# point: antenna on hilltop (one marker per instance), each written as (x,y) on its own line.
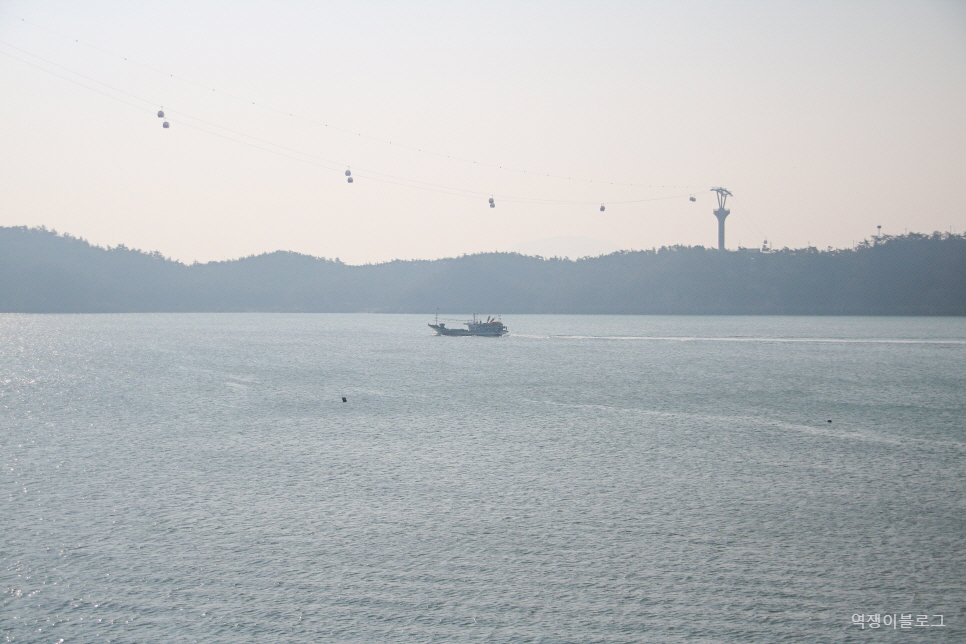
(721,213)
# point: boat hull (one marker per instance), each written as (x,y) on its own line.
(494,332)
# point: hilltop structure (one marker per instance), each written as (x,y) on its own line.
(721,213)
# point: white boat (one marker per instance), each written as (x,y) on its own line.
(493,327)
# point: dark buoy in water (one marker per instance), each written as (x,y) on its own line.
(344,400)
(165,125)
(829,420)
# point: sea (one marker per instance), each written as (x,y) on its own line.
(587,479)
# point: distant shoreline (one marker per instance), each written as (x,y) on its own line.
(915,274)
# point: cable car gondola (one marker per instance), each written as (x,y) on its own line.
(492,203)
(602,207)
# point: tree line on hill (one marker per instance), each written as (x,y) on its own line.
(42,271)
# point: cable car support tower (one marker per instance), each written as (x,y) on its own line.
(721,213)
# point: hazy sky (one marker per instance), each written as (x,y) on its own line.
(825,119)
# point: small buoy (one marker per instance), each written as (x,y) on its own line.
(160,114)
(349,179)
(165,125)
(602,207)
(344,400)
(348,173)
(829,420)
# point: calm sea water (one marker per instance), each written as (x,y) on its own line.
(196,478)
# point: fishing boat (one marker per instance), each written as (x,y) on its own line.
(492,327)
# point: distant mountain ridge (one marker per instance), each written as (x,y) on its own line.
(42,271)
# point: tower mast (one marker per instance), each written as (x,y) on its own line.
(721,213)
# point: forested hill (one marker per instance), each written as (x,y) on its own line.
(913,274)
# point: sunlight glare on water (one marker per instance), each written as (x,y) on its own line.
(197,477)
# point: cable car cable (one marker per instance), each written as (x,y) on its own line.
(325,163)
(76,82)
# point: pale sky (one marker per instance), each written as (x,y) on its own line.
(824,119)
